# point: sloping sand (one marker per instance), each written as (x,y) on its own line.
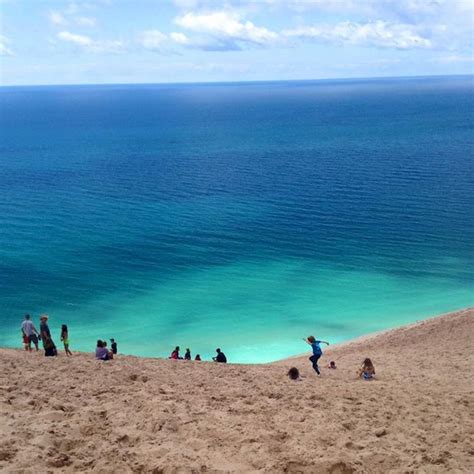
(161,416)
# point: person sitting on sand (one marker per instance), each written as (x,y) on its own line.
(101,351)
(175,354)
(294,374)
(332,365)
(220,357)
(367,371)
(65,339)
(28,329)
(198,357)
(187,354)
(317,351)
(48,344)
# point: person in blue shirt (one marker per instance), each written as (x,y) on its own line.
(317,351)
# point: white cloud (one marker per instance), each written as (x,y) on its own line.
(90,45)
(379,34)
(179,38)
(153,40)
(86,21)
(226,27)
(4,49)
(80,40)
(56,18)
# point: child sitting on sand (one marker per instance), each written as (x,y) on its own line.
(101,351)
(175,354)
(187,354)
(294,374)
(367,371)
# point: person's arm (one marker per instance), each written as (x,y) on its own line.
(324,342)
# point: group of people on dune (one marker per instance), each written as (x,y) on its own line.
(366,371)
(220,356)
(31,336)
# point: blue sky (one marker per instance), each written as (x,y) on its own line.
(152,41)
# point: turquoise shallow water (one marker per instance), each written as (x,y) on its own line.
(244,216)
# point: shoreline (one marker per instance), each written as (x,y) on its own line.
(356,340)
(383,332)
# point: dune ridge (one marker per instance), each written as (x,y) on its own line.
(162,416)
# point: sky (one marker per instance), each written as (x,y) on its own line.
(160,41)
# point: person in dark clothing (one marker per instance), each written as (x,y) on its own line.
(113,346)
(48,344)
(220,357)
(187,354)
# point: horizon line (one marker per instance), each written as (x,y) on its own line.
(256,81)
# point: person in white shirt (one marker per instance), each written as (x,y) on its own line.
(28,329)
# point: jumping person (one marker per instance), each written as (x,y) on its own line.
(317,351)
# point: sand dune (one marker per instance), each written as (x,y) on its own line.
(162,416)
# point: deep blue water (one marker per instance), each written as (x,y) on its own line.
(239,215)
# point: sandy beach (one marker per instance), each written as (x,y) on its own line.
(151,415)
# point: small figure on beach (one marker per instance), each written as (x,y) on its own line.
(65,339)
(317,351)
(367,371)
(48,344)
(332,365)
(187,354)
(198,357)
(220,357)
(175,354)
(26,344)
(28,329)
(113,346)
(101,351)
(294,374)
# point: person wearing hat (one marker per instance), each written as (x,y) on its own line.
(48,344)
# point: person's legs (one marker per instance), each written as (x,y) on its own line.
(314,360)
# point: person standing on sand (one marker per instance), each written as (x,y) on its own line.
(29,331)
(65,339)
(48,344)
(113,346)
(317,351)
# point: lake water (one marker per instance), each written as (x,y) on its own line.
(245,215)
